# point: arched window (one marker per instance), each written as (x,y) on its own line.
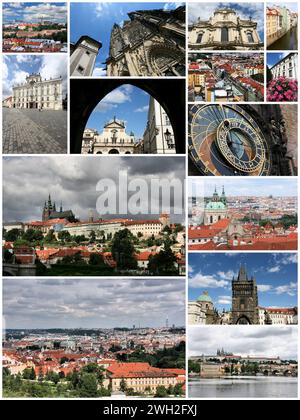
(250,37)
(224,35)
(199,38)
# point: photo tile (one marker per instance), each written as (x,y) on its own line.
(243,288)
(128,39)
(140,276)
(101,346)
(129,117)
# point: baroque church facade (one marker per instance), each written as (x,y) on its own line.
(224,30)
(216,208)
(151,43)
(37,93)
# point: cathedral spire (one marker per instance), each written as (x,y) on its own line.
(242,276)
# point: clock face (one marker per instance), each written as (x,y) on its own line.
(225,140)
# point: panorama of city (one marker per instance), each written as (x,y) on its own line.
(150,201)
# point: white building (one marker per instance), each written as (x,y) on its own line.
(83,56)
(286,67)
(36,93)
(113,139)
(158,136)
(278,316)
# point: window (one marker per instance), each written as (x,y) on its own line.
(80,69)
(199,38)
(87,53)
(250,37)
(224,35)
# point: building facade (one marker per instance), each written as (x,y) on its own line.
(151,43)
(278,316)
(244,299)
(225,30)
(201,311)
(83,56)
(36,93)
(113,139)
(287,67)
(216,208)
(158,136)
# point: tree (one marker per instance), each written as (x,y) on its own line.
(12,235)
(123,250)
(92,236)
(178,389)
(164,262)
(29,373)
(161,392)
(96,259)
(32,235)
(50,237)
(64,235)
(88,387)
(123,385)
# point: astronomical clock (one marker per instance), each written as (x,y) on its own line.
(226,140)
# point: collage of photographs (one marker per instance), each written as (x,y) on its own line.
(149,200)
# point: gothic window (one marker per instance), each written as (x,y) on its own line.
(211,219)
(224,35)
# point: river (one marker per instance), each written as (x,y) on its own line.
(289,41)
(244,387)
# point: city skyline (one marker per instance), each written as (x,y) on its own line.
(16,68)
(75,184)
(86,303)
(275,274)
(280,187)
(34,12)
(251,341)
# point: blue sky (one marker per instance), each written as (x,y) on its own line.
(293,7)
(275,273)
(127,103)
(273,58)
(15,69)
(205,10)
(33,12)
(279,187)
(97,19)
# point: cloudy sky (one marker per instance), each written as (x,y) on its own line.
(33,12)
(252,341)
(273,58)
(275,273)
(264,186)
(90,303)
(27,181)
(97,19)
(128,103)
(15,69)
(205,10)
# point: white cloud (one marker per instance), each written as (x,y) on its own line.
(290,289)
(224,300)
(200,280)
(99,72)
(274,269)
(228,275)
(142,109)
(264,287)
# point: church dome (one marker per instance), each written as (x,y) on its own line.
(216,205)
(205,298)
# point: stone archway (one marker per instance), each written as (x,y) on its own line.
(243,320)
(113,152)
(86,94)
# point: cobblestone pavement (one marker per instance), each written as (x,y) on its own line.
(33,131)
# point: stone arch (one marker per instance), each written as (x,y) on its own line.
(86,94)
(113,152)
(243,320)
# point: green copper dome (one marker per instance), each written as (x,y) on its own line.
(204,298)
(215,205)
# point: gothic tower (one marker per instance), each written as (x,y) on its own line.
(244,299)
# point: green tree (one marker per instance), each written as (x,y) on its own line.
(96,259)
(12,235)
(163,263)
(123,250)
(161,392)
(50,237)
(88,386)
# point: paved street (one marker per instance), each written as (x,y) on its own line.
(32,131)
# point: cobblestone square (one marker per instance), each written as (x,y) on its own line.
(34,132)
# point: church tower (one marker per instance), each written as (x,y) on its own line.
(83,56)
(244,299)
